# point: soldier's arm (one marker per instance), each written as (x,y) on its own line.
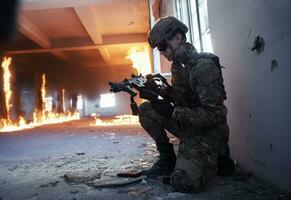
(205,78)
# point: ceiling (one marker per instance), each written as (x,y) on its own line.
(75,33)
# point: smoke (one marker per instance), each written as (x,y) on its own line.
(88,82)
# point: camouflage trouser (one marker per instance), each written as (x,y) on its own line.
(198,152)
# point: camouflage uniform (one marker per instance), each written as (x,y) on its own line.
(200,123)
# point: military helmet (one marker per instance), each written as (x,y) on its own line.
(164,29)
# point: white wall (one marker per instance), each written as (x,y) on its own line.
(258,99)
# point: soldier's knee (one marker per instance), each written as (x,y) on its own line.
(144,108)
(181,181)
(145,118)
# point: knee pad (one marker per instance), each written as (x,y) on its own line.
(181,181)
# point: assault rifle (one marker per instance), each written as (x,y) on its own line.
(152,87)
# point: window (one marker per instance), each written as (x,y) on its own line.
(107,100)
(79,102)
(48,104)
(194,14)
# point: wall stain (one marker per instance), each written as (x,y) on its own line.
(274,65)
(249,33)
(259,44)
(271,147)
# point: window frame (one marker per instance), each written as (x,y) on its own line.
(179,4)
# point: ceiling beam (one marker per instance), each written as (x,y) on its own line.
(32,32)
(27,5)
(76,48)
(105,54)
(86,16)
(90,24)
(37,36)
(109,40)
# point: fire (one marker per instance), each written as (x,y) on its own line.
(63,100)
(119,120)
(43,92)
(6,84)
(48,116)
(42,118)
(140,58)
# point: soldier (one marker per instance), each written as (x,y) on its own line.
(199,115)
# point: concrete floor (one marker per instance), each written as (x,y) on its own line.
(33,164)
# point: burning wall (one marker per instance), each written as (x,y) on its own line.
(42,115)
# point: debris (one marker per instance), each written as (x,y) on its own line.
(274,65)
(115,182)
(143,182)
(82,177)
(64,163)
(142,145)
(139,191)
(129,174)
(44,185)
(80,153)
(55,183)
(13,168)
(74,191)
(174,195)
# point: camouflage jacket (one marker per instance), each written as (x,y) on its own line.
(198,88)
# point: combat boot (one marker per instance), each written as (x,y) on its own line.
(165,165)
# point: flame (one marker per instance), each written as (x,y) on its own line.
(48,116)
(119,120)
(63,100)
(39,118)
(43,92)
(140,58)
(6,84)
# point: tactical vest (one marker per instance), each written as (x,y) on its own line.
(184,95)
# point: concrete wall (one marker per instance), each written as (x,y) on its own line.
(258,98)
(122,106)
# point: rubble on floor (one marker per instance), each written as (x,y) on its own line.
(71,161)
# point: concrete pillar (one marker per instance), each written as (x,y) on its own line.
(60,100)
(16,100)
(74,99)
(38,104)
(84,106)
